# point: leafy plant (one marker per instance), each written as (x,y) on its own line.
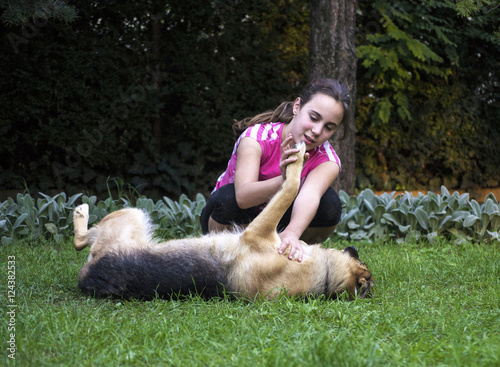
(365,217)
(52,217)
(25,217)
(406,217)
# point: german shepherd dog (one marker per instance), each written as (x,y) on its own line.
(126,262)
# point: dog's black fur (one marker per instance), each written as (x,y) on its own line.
(143,275)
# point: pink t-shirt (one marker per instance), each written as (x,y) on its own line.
(269,137)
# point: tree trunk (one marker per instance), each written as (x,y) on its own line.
(155,45)
(332,54)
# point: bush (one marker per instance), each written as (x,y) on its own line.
(52,217)
(406,218)
(365,217)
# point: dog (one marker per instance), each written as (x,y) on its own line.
(126,262)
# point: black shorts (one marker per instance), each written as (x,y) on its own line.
(222,207)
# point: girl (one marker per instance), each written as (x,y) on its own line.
(256,169)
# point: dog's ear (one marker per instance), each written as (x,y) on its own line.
(352,251)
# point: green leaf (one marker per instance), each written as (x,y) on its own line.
(344,198)
(445,192)
(71,201)
(379,212)
(475,207)
(150,206)
(447,222)
(378,232)
(422,217)
(19,220)
(6,240)
(352,213)
(12,209)
(383,110)
(44,207)
(392,204)
(369,206)
(433,223)
(359,235)
(352,203)
(453,204)
(495,222)
(491,197)
(470,220)
(28,203)
(390,218)
(89,200)
(404,229)
(368,225)
(490,207)
(52,228)
(352,224)
(412,220)
(495,235)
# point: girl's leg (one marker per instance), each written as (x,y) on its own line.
(215,227)
(326,219)
(324,222)
(222,212)
(314,235)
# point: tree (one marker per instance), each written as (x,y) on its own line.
(15,12)
(426,86)
(332,54)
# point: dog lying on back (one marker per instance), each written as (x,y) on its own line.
(126,262)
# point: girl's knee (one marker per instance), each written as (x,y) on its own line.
(329,210)
(222,209)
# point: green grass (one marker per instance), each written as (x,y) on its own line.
(435,305)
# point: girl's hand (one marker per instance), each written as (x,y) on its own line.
(286,151)
(289,239)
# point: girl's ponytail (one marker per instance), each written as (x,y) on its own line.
(284,113)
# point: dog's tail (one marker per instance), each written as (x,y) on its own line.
(265,224)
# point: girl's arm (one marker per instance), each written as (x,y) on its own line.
(306,205)
(249,190)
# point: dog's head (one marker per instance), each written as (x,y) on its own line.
(361,283)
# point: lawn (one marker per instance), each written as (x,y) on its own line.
(435,305)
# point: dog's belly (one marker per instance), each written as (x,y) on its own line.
(269,274)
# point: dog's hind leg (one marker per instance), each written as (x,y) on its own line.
(80,223)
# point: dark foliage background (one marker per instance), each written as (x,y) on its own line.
(145,91)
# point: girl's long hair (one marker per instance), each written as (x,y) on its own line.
(284,112)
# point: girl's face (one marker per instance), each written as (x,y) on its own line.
(316,121)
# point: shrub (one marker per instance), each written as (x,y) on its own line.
(53,216)
(365,217)
(405,217)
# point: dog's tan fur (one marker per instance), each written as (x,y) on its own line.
(249,259)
